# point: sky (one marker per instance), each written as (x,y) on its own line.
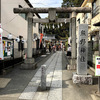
(46,3)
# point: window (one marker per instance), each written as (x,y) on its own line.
(95,8)
(22,14)
(94,5)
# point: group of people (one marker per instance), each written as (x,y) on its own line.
(59,47)
(56,47)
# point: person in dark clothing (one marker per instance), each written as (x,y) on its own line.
(49,48)
(69,50)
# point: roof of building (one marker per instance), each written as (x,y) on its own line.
(30,5)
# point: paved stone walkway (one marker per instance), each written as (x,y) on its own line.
(54,81)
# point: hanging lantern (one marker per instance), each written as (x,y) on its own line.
(53,26)
(61,24)
(17,39)
(9,36)
(65,21)
(23,41)
(58,25)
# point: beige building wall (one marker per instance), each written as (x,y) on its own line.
(82,17)
(14,23)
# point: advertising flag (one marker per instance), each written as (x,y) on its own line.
(41,36)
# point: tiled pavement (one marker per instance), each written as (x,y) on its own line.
(53,81)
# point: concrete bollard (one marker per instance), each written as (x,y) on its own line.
(43,77)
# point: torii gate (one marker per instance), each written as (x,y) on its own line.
(29,62)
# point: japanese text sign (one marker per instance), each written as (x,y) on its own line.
(82,49)
(97,66)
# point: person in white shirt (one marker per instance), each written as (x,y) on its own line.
(69,50)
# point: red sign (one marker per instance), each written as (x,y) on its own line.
(41,36)
(98,66)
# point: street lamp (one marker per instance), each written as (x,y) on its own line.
(53,26)
(61,24)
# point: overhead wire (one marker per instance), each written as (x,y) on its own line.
(16,16)
(9,22)
(13,17)
(11,33)
(8,32)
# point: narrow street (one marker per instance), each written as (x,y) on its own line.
(27,86)
(50,50)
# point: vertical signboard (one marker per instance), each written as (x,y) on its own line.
(82,49)
(1,48)
(97,66)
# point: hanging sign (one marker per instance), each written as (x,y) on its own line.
(97,66)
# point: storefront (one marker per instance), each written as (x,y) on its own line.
(8,54)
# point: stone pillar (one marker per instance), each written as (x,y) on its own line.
(82,51)
(73,20)
(29,35)
(73,38)
(72,61)
(43,77)
(29,62)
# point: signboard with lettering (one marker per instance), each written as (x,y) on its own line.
(82,49)
(97,66)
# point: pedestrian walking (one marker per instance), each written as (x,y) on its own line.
(49,48)
(69,50)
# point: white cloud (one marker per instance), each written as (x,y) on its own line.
(49,3)
(46,3)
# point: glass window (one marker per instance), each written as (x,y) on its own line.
(23,15)
(94,8)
